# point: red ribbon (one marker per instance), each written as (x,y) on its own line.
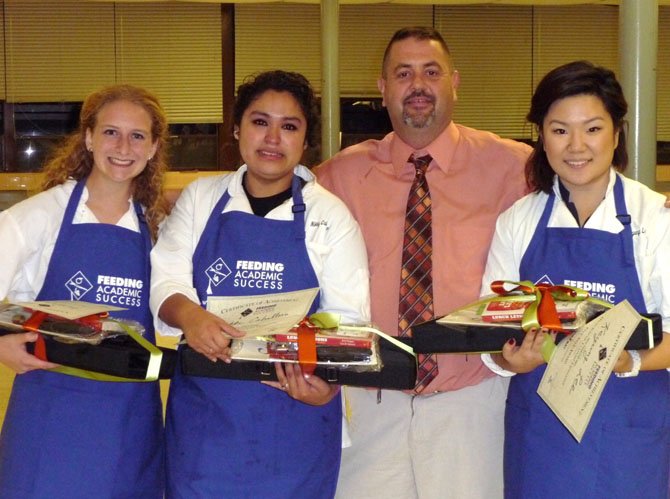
(544,314)
(33,324)
(307,345)
(93,321)
(37,318)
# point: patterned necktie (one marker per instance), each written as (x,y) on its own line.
(416,284)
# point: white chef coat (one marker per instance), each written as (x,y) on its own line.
(28,231)
(650,224)
(334,244)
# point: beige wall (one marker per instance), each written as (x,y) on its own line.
(6,378)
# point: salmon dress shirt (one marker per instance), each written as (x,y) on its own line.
(474,176)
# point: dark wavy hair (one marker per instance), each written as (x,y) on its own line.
(279,81)
(574,78)
(74,161)
(418,33)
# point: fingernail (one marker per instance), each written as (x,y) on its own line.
(307,376)
(511,341)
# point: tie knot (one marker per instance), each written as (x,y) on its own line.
(420,163)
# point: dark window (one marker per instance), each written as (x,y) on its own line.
(363,119)
(663,153)
(193,146)
(39,128)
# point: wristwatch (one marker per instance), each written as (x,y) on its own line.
(635,370)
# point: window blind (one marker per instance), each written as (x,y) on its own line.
(492,50)
(174,51)
(365,30)
(57,51)
(278,36)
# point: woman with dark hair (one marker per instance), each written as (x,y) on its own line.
(229,438)
(65,436)
(586,222)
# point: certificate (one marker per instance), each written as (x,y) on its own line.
(262,315)
(74,321)
(68,309)
(581,365)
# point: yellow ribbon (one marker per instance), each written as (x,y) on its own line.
(153,368)
(327,320)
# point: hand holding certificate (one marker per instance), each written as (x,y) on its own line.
(273,325)
(263,314)
(581,365)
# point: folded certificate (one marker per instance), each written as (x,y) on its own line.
(272,325)
(74,322)
(580,367)
(259,315)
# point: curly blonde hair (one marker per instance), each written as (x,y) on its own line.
(73,161)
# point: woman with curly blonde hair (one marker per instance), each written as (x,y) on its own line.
(86,237)
(74,161)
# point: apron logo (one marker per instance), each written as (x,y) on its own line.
(78,286)
(601,290)
(119,291)
(255,274)
(545,279)
(216,273)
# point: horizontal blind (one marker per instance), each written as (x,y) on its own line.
(278,36)
(492,49)
(569,33)
(576,32)
(174,51)
(663,82)
(365,30)
(57,51)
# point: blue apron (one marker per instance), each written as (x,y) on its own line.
(625,451)
(68,437)
(235,439)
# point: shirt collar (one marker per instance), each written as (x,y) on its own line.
(559,188)
(442,150)
(561,192)
(235,187)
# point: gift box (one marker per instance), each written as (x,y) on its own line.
(398,369)
(86,342)
(120,356)
(433,337)
(486,325)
